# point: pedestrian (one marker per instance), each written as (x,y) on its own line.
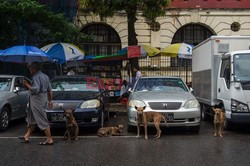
(40,98)
(71,72)
(138,73)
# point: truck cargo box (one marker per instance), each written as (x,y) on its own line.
(205,64)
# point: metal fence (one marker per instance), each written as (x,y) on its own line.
(164,66)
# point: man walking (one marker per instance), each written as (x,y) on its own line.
(40,98)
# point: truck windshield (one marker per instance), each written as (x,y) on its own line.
(242,67)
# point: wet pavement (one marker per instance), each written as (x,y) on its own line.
(177,146)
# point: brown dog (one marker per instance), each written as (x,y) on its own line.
(72,129)
(146,117)
(219,119)
(107,131)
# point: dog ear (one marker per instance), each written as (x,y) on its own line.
(144,107)
(136,107)
(213,109)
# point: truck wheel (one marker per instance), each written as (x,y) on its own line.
(227,125)
(194,129)
(204,115)
(131,129)
(4,119)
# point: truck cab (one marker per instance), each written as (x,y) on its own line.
(233,86)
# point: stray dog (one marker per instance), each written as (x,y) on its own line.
(219,119)
(146,117)
(113,131)
(72,128)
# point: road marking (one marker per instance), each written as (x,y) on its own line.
(61,137)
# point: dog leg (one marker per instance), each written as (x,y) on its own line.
(76,133)
(68,136)
(65,135)
(157,126)
(215,129)
(138,130)
(146,130)
(220,130)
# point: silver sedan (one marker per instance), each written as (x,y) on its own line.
(168,95)
(13,99)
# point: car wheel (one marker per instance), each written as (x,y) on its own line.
(4,119)
(195,129)
(131,129)
(227,125)
(204,115)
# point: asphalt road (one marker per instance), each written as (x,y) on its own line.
(177,146)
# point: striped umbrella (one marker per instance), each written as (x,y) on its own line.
(63,52)
(145,50)
(182,50)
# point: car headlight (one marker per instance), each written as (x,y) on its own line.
(192,104)
(137,103)
(237,106)
(91,104)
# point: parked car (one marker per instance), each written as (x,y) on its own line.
(13,99)
(168,95)
(90,105)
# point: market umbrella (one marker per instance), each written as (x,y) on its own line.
(182,50)
(24,54)
(145,50)
(63,52)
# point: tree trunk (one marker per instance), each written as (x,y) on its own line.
(132,40)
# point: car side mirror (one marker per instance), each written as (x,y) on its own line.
(130,90)
(191,90)
(17,89)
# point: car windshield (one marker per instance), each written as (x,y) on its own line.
(5,84)
(241,67)
(167,85)
(72,84)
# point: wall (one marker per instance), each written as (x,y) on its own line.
(219,21)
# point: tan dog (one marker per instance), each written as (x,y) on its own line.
(107,131)
(72,129)
(219,119)
(146,117)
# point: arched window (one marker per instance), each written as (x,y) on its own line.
(191,34)
(106,40)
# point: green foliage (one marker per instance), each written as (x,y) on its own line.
(151,9)
(29,22)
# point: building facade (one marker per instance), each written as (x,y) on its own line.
(189,21)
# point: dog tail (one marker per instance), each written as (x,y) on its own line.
(165,120)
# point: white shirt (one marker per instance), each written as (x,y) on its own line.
(71,72)
(138,75)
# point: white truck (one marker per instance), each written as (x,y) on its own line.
(221,77)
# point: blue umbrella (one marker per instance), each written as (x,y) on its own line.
(1,51)
(24,54)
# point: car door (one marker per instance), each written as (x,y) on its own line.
(21,97)
(224,80)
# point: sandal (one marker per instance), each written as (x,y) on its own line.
(23,138)
(46,143)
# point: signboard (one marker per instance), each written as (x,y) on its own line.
(134,51)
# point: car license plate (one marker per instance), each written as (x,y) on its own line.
(169,116)
(58,117)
